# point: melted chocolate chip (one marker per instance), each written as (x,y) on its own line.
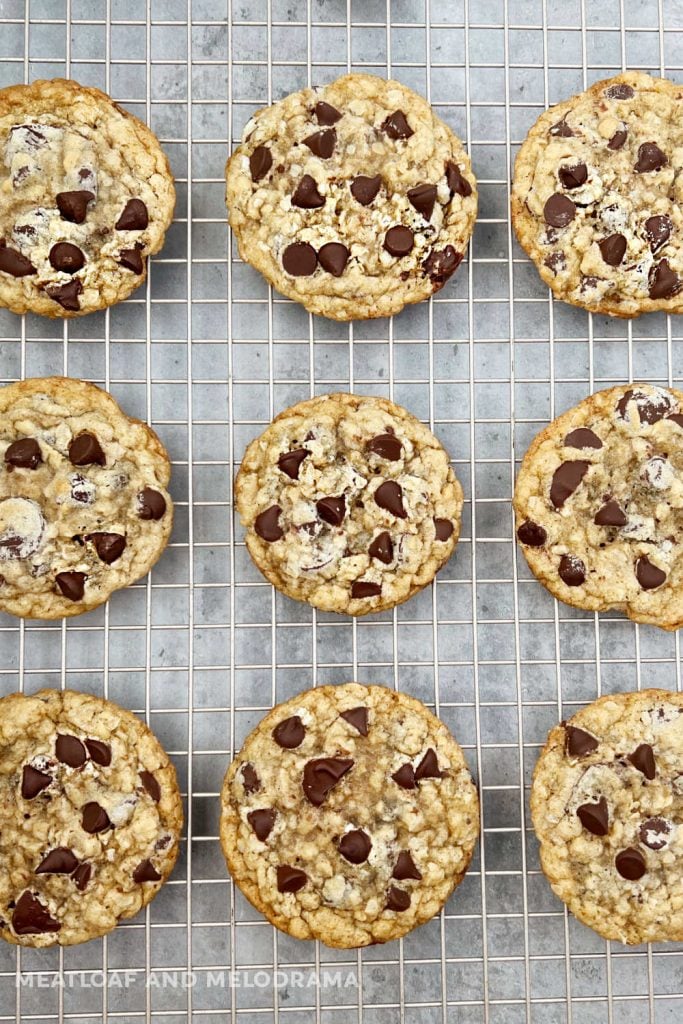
(325,113)
(260,162)
(654,833)
(648,575)
(389,496)
(620,91)
(649,410)
(60,861)
(630,864)
(262,822)
(33,782)
(151,504)
(428,768)
(582,437)
(611,514)
(267,524)
(14,263)
(663,282)
(355,846)
(658,231)
(365,189)
(290,879)
(441,264)
(146,872)
(566,479)
(85,450)
(358,718)
(531,534)
(365,588)
(443,528)
(578,742)
(561,130)
(650,158)
(643,759)
(321,775)
(595,817)
(332,510)
(81,876)
(333,257)
(405,776)
(289,733)
(573,177)
(306,195)
(24,453)
(95,819)
(322,143)
(109,546)
(134,216)
(66,258)
(397,899)
(151,786)
(559,211)
(30,917)
(396,126)
(67,295)
(422,197)
(556,262)
(382,548)
(250,779)
(406,868)
(613,249)
(73,206)
(299,259)
(398,241)
(618,139)
(69,750)
(71,584)
(572,571)
(132,259)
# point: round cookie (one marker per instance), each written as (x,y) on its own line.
(349,815)
(90,817)
(87,196)
(84,508)
(349,503)
(354,199)
(597,197)
(599,504)
(607,807)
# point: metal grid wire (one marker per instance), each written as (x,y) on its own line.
(204,646)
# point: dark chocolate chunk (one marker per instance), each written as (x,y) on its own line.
(24,453)
(611,514)
(396,126)
(290,462)
(643,758)
(299,259)
(406,868)
(322,774)
(654,833)
(650,410)
(618,139)
(443,528)
(398,240)
(559,211)
(30,917)
(456,182)
(333,257)
(262,822)
(66,294)
(267,524)
(358,718)
(440,264)
(579,742)
(332,510)
(14,263)
(73,206)
(365,588)
(423,197)
(306,195)
(397,899)
(85,450)
(582,437)
(322,143)
(389,496)
(95,818)
(355,846)
(595,817)
(81,876)
(620,91)
(66,258)
(650,158)
(574,176)
(572,571)
(658,231)
(405,776)
(151,504)
(71,584)
(260,162)
(428,768)
(146,872)
(134,216)
(33,782)
(663,281)
(289,733)
(630,864)
(364,189)
(59,861)
(69,750)
(109,546)
(566,479)
(382,548)
(531,534)
(648,575)
(152,787)
(613,249)
(387,446)
(290,879)
(250,779)
(561,129)
(132,259)
(325,113)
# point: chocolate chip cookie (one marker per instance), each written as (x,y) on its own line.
(90,817)
(597,194)
(87,196)
(599,504)
(607,806)
(349,815)
(84,508)
(349,503)
(353,199)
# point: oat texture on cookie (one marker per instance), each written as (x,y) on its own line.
(349,503)
(87,196)
(84,506)
(349,815)
(353,199)
(599,504)
(607,807)
(90,817)
(597,196)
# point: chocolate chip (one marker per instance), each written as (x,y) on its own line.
(71,584)
(620,91)
(134,216)
(250,779)
(428,767)
(109,546)
(73,206)
(617,140)
(555,262)
(594,817)
(649,410)
(358,718)
(658,231)
(289,733)
(566,479)
(33,782)
(85,450)
(60,861)
(290,879)
(322,143)
(630,864)
(405,776)
(24,453)
(14,263)
(151,504)
(151,786)
(299,259)
(423,197)
(99,752)
(406,868)
(322,774)
(333,257)
(132,259)
(267,524)
(443,528)
(67,295)
(262,821)
(611,514)
(387,446)
(95,819)
(260,162)
(365,588)
(146,872)
(663,281)
(559,211)
(332,510)
(612,249)
(325,113)
(654,833)
(398,241)
(396,126)
(562,130)
(573,177)
(81,876)
(355,846)
(306,195)
(579,742)
(648,575)
(290,462)
(572,571)
(650,158)
(365,189)
(70,750)
(397,899)
(440,264)
(643,758)
(582,437)
(531,534)
(457,184)
(382,548)
(66,258)
(389,496)
(30,917)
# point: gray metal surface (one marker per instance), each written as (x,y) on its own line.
(207,354)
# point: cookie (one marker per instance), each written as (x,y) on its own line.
(349,503)
(87,196)
(597,194)
(354,199)
(90,817)
(349,815)
(607,806)
(84,508)
(599,504)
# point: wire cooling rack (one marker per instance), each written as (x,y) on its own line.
(204,646)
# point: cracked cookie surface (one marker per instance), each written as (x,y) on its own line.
(599,504)
(354,199)
(349,815)
(349,503)
(84,508)
(607,807)
(597,196)
(87,196)
(90,817)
